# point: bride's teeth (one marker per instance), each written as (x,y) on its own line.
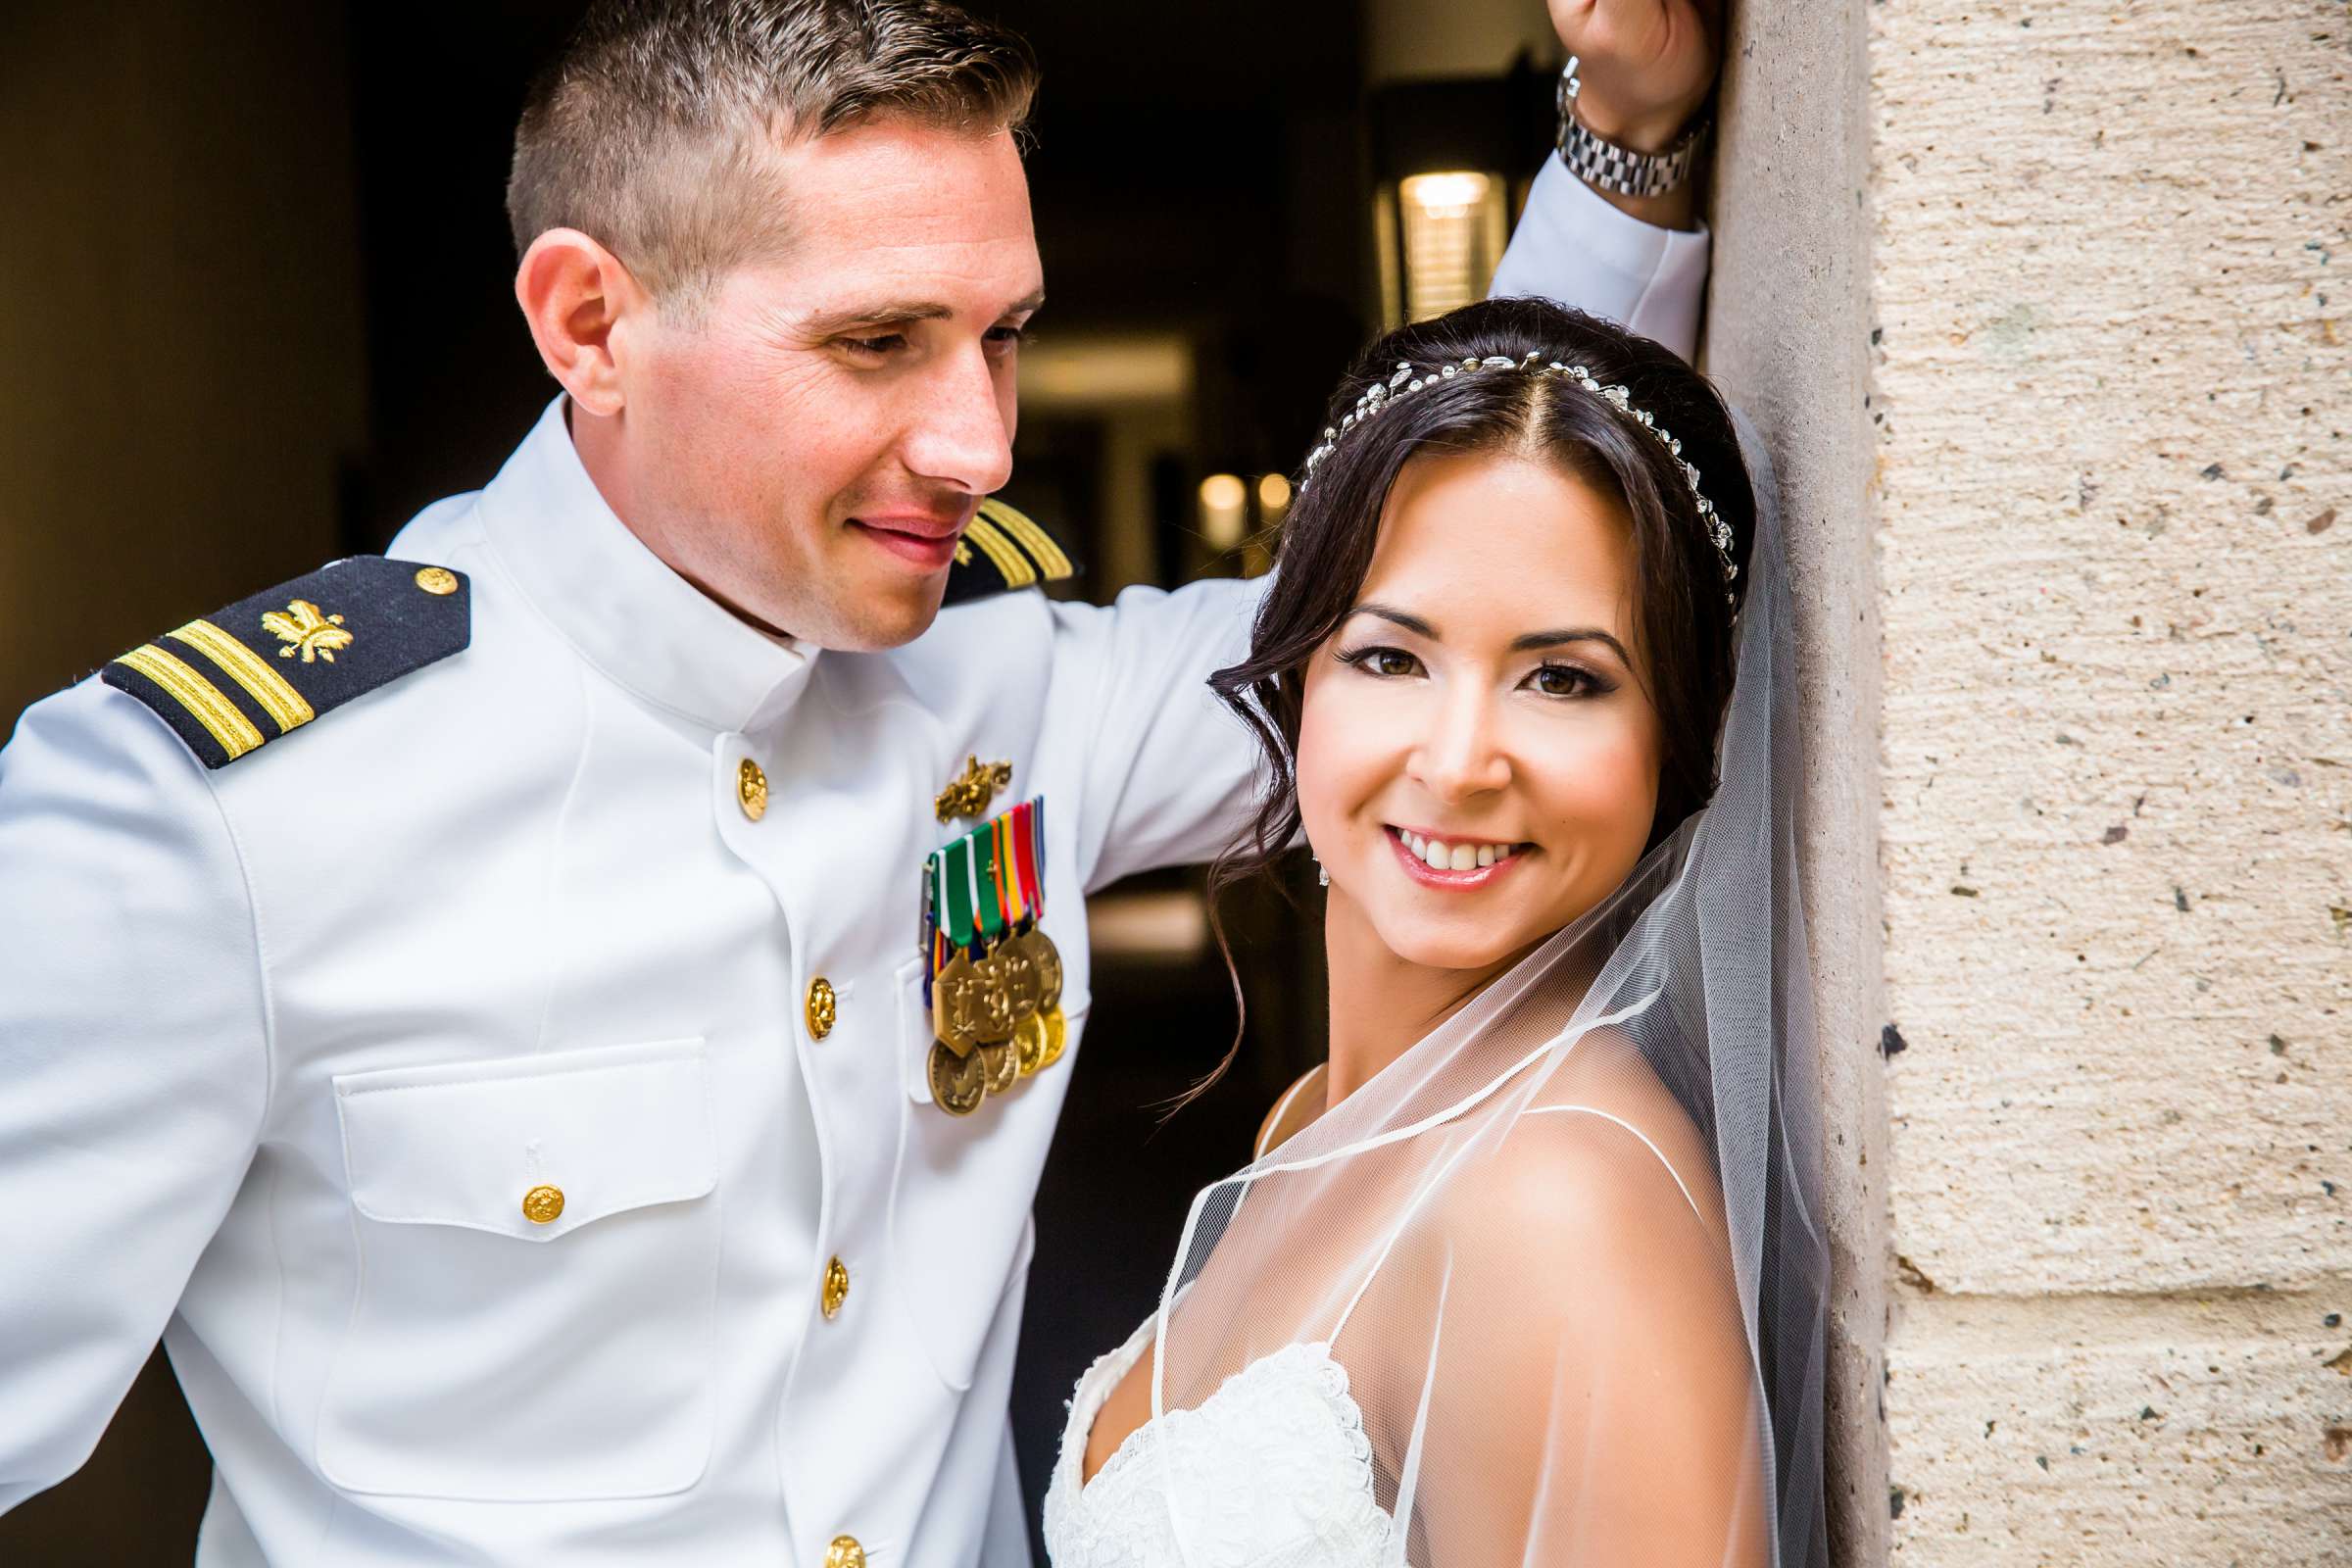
(1464,857)
(1503,852)
(1486,855)
(1435,855)
(1419,844)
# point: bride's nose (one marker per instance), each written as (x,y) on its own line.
(1460,754)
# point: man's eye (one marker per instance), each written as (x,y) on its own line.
(888,343)
(1007,336)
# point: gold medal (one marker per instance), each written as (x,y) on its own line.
(1045,958)
(1017,964)
(991,1002)
(959,1082)
(1003,1065)
(958,1009)
(1029,1043)
(1057,1035)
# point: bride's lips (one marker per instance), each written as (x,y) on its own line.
(925,541)
(1429,876)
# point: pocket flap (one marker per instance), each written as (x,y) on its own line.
(530,1146)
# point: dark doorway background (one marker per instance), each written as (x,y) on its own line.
(1198,170)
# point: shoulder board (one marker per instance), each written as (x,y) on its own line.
(1004,549)
(233,682)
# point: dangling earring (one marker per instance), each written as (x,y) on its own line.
(1322,876)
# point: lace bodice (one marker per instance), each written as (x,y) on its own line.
(1280,1444)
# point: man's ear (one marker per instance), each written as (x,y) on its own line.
(577,297)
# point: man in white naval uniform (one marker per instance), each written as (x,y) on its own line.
(507,1097)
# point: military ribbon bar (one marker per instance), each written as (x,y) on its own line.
(988,892)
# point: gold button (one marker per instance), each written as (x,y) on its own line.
(543,1205)
(845,1552)
(837,1286)
(750,788)
(822,1008)
(437,580)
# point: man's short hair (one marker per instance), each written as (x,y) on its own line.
(651,131)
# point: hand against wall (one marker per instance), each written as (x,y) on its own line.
(1647,66)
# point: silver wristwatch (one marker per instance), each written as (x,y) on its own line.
(1610,166)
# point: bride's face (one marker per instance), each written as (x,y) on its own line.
(1478,753)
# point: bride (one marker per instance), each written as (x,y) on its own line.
(1530,1270)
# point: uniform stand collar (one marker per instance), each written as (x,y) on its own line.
(629,615)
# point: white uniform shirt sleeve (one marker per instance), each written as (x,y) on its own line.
(1572,246)
(1167,767)
(132,1060)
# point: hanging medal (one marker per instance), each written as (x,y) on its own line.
(993,978)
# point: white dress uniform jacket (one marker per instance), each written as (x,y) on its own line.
(283,1047)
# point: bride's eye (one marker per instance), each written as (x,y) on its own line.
(1388,662)
(1565,680)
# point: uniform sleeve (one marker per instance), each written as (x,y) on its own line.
(1168,769)
(132,1060)
(1572,246)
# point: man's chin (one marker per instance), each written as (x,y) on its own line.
(885,616)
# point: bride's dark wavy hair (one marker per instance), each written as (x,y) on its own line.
(1683,629)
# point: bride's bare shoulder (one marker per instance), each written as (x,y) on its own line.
(1600,1153)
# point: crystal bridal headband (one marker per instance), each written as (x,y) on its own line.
(1406,380)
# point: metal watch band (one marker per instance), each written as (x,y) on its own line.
(1609,167)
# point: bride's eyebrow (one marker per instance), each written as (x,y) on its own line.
(1571,634)
(1389,612)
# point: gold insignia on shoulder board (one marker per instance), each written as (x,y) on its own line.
(969,793)
(306,631)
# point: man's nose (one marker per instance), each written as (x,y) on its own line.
(963,434)
(1461,755)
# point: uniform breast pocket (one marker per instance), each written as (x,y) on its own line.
(538,1269)
(960,1203)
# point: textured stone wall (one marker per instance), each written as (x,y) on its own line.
(2111,282)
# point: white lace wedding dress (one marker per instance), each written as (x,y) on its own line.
(1281,1445)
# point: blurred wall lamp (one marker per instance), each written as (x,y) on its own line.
(1445,191)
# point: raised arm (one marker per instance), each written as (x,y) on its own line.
(1646,69)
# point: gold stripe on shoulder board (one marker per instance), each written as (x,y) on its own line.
(1007,557)
(266,686)
(1040,544)
(200,696)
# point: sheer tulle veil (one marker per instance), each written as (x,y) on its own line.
(1565,1255)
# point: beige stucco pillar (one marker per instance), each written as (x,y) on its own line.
(2047,309)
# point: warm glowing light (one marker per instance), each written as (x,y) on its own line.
(1450,230)
(1224,500)
(1223,492)
(1273,495)
(1446,193)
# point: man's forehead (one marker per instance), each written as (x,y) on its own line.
(900,182)
(908,216)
